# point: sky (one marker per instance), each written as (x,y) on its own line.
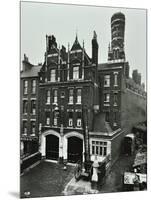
(64,21)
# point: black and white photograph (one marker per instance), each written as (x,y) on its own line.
(83,99)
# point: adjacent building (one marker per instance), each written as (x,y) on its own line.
(29,85)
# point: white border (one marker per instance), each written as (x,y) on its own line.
(9,101)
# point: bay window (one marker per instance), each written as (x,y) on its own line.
(99,148)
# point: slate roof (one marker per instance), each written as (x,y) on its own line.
(76,45)
(32,72)
(100,125)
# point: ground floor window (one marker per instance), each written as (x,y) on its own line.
(99,148)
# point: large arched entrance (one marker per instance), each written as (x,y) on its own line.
(75,149)
(52,147)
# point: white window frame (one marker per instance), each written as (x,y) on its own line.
(33,129)
(55,121)
(24,128)
(107,81)
(97,146)
(116,79)
(71,96)
(79,122)
(115,99)
(34,86)
(70,122)
(48,97)
(52,75)
(106,97)
(79,96)
(25,87)
(48,120)
(76,73)
(55,96)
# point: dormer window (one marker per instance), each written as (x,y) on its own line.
(76,73)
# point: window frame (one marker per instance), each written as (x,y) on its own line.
(25,89)
(76,72)
(99,148)
(107,80)
(33,86)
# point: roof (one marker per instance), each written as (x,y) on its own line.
(76,45)
(100,125)
(32,72)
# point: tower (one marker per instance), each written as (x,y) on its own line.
(95,47)
(116,49)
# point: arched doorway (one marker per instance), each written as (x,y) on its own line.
(52,147)
(75,149)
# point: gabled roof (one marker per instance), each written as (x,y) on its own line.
(76,45)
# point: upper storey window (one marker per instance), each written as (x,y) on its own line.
(53,75)
(115,79)
(78,96)
(75,73)
(107,81)
(55,96)
(48,97)
(34,86)
(25,87)
(71,96)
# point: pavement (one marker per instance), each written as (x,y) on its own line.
(50,179)
(114,180)
(45,180)
(79,187)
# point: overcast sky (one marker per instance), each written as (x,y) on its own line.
(39,19)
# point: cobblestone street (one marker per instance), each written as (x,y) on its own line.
(46,179)
(49,179)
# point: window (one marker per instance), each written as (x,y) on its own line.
(115,119)
(107,116)
(25,127)
(106,97)
(55,121)
(33,125)
(25,87)
(70,119)
(53,75)
(62,94)
(115,99)
(33,86)
(25,107)
(71,96)
(106,80)
(33,107)
(79,96)
(55,96)
(47,118)
(115,79)
(99,148)
(48,97)
(79,117)
(75,73)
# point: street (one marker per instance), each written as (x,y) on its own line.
(49,179)
(114,180)
(46,179)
